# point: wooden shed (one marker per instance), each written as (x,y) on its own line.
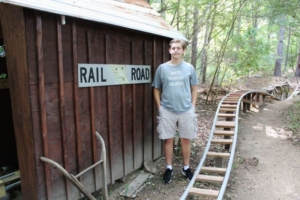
(44,112)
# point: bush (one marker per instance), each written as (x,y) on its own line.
(293,118)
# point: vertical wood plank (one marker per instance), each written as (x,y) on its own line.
(138,105)
(62,105)
(162,60)
(92,110)
(124,139)
(110,134)
(133,111)
(100,95)
(127,127)
(148,103)
(123,124)
(43,114)
(145,108)
(76,103)
(154,121)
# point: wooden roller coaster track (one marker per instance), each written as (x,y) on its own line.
(225,131)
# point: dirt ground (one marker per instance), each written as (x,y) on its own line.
(266,165)
(263,139)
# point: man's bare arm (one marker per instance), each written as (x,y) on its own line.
(194,94)
(156,93)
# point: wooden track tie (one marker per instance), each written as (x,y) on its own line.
(204,192)
(218,154)
(208,178)
(221,141)
(214,170)
(230,101)
(228,106)
(227,109)
(225,133)
(225,124)
(226,115)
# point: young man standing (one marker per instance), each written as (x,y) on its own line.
(175,94)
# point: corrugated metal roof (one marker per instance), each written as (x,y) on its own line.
(132,14)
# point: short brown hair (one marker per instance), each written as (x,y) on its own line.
(183,43)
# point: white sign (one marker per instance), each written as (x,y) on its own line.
(90,75)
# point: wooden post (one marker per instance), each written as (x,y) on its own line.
(264,99)
(248,104)
(244,106)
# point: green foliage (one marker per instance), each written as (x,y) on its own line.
(293,118)
(3,75)
(241,35)
(253,54)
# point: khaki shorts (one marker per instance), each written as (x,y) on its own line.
(186,123)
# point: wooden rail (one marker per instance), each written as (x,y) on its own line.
(225,131)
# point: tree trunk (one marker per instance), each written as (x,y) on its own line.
(196,30)
(298,65)
(277,69)
(178,14)
(204,65)
(204,54)
(238,32)
(287,50)
(163,9)
(208,31)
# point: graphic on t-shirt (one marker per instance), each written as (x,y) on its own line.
(175,79)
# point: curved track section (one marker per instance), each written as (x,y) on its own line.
(224,131)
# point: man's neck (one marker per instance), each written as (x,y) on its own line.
(175,62)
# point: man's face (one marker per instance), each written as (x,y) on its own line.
(176,50)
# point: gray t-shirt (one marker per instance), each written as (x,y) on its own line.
(175,83)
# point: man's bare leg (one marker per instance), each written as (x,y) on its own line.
(186,151)
(168,146)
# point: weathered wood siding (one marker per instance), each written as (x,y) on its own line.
(65,117)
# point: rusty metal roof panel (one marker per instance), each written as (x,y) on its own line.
(133,14)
